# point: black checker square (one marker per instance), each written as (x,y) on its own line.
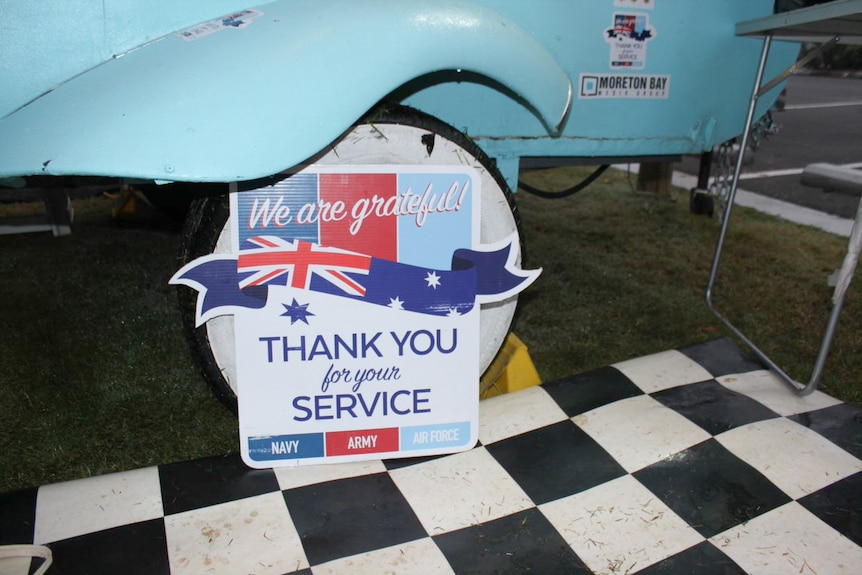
(581,393)
(140,548)
(841,424)
(521,543)
(710,488)
(702,559)
(351,516)
(714,407)
(721,357)
(17,517)
(205,482)
(555,461)
(840,506)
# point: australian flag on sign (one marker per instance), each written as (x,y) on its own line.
(227,282)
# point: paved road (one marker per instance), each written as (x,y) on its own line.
(822,122)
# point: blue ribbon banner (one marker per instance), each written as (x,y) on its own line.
(230,282)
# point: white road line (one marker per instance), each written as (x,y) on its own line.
(787,172)
(790,212)
(826,105)
(770,174)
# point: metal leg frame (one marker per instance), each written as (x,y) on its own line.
(844,276)
(57,219)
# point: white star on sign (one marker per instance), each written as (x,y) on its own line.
(453,312)
(433,280)
(396,303)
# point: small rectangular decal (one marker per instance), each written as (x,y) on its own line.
(628,38)
(635,4)
(236,21)
(634,86)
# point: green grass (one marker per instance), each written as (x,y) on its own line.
(624,276)
(97,377)
(96,373)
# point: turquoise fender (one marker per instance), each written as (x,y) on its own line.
(248,102)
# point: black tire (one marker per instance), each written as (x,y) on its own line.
(204,221)
(208,217)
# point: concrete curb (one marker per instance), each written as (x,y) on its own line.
(764,204)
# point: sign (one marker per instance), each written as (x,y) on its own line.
(632,86)
(628,39)
(355,292)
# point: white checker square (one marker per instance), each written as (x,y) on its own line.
(460,490)
(796,459)
(765,387)
(640,431)
(535,409)
(420,556)
(619,526)
(83,506)
(17,565)
(302,475)
(663,370)
(252,535)
(789,539)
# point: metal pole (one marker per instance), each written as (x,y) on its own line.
(713,273)
(797,387)
(755,95)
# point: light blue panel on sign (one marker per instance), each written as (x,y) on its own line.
(441,222)
(273,210)
(435,436)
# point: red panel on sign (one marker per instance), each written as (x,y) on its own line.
(368,221)
(361,441)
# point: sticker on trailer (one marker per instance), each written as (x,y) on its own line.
(624,86)
(235,21)
(628,38)
(635,4)
(355,292)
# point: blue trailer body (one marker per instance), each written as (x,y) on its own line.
(228,90)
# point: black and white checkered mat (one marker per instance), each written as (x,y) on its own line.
(688,461)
